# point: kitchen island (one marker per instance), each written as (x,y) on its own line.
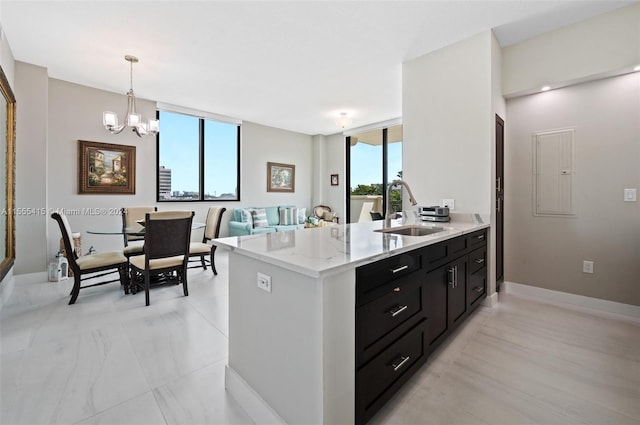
(292,314)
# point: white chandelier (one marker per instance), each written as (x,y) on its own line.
(344,120)
(133,119)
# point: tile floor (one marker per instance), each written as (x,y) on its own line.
(108,359)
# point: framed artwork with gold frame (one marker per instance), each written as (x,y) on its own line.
(7,173)
(105,168)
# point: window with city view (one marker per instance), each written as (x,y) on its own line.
(198,159)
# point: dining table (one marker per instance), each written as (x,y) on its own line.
(133,230)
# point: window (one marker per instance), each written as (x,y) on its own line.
(198,159)
(374,159)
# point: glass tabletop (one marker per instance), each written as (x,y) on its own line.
(135,230)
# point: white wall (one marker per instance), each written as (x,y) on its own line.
(498,107)
(75,113)
(31,89)
(548,252)
(334,158)
(447,122)
(601,46)
(262,144)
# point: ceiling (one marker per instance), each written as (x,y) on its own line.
(294,65)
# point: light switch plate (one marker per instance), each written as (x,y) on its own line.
(630,195)
(451,203)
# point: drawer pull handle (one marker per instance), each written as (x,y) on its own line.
(480,261)
(397,310)
(478,289)
(396,289)
(480,237)
(399,269)
(397,366)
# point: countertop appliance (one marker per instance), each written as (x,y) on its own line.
(434,213)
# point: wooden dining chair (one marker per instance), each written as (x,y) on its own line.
(84,268)
(166,251)
(130,217)
(201,250)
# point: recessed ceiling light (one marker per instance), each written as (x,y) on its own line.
(637,68)
(545,88)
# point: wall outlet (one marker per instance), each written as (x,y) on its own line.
(264,282)
(587,266)
(451,203)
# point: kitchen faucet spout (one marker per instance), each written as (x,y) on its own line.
(387,216)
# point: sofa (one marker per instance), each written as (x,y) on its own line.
(244,222)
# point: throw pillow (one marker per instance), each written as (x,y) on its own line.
(246,217)
(288,216)
(302,215)
(259,216)
(328,216)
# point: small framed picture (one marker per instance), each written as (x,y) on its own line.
(334,179)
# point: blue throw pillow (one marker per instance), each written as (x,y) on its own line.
(246,217)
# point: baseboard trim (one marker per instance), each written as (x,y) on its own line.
(257,409)
(37,277)
(612,307)
(490,300)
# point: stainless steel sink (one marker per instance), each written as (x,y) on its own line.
(412,230)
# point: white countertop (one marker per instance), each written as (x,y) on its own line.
(323,251)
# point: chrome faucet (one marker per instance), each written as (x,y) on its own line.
(387,215)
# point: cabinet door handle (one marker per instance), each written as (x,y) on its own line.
(499,207)
(499,184)
(480,237)
(478,289)
(397,364)
(399,269)
(479,260)
(452,277)
(455,277)
(397,310)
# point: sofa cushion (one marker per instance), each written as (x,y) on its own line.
(259,216)
(273,216)
(287,228)
(302,215)
(288,216)
(261,230)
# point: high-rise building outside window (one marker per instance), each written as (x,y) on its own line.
(198,159)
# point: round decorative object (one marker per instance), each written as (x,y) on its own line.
(320,210)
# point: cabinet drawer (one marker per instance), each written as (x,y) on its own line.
(476,239)
(457,245)
(375,319)
(389,366)
(477,259)
(369,278)
(435,255)
(477,286)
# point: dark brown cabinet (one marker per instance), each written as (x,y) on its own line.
(406,305)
